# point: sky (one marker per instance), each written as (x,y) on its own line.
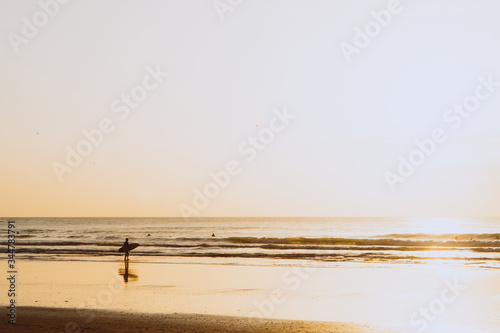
(249,108)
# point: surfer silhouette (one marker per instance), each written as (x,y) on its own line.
(127,252)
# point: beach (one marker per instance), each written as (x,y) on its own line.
(80,296)
(256,274)
(92,296)
(52,320)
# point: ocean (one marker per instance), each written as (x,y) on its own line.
(262,241)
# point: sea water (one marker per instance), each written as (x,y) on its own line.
(263,241)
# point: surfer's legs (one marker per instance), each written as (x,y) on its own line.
(126,256)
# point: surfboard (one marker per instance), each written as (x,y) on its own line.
(131,246)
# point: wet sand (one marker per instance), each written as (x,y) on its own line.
(32,319)
(228,298)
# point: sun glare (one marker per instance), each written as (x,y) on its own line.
(439,226)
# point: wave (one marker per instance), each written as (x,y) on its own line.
(448,236)
(485,241)
(401,242)
(314,256)
(36,231)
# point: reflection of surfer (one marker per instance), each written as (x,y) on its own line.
(129,275)
(125,274)
(125,247)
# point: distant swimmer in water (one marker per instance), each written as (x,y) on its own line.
(498,237)
(456,238)
(213,235)
(149,235)
(470,239)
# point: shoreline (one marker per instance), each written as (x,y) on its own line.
(42,319)
(263,262)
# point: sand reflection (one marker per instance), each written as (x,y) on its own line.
(129,274)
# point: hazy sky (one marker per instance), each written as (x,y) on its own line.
(231,66)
